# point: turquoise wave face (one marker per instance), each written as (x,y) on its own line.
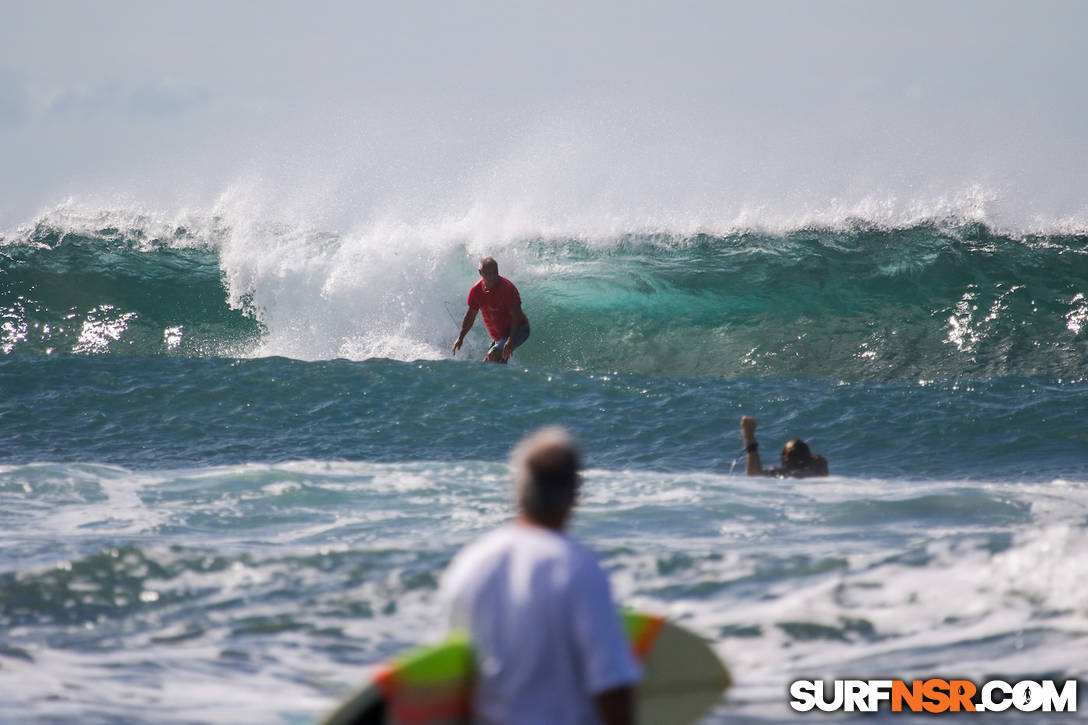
(934,301)
(926,303)
(107,292)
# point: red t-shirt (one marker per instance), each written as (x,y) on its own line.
(495,305)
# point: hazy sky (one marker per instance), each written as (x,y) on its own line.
(659,109)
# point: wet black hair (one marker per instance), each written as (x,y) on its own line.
(796,454)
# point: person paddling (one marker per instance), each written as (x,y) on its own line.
(798,460)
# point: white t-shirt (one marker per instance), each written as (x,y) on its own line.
(540,615)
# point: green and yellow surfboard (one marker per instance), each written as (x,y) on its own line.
(682,680)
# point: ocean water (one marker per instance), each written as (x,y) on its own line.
(238,454)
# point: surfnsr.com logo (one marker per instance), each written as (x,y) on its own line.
(933,696)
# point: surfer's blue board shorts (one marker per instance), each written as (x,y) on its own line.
(519,337)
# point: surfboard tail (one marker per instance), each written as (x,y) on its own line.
(682,676)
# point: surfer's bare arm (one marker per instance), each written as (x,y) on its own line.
(617,706)
(753,466)
(466,325)
(515,324)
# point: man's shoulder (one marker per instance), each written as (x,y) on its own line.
(534,541)
(475,292)
(494,540)
(507,286)
(575,556)
(473,557)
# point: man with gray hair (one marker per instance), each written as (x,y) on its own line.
(549,644)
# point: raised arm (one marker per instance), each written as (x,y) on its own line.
(466,325)
(753,466)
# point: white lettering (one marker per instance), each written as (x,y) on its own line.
(803,693)
(856,696)
(879,691)
(1065,701)
(988,701)
(821,698)
(994,696)
(1027,696)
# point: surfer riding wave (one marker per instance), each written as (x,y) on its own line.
(498,299)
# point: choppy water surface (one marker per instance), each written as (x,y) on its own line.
(237,460)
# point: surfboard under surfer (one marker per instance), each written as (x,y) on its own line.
(498,299)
